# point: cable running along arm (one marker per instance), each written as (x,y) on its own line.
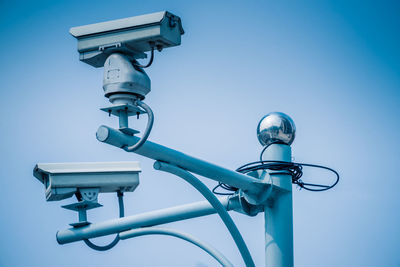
(163,231)
(203,189)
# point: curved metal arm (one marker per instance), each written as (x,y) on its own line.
(116,239)
(146,133)
(162,231)
(203,189)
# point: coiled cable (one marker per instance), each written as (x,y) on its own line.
(294,169)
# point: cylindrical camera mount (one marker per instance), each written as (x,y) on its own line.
(124,82)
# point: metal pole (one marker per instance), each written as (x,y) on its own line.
(161,153)
(157,217)
(278,212)
(123,118)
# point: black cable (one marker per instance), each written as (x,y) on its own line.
(222,185)
(231,188)
(116,239)
(150,61)
(265,148)
(291,168)
(326,187)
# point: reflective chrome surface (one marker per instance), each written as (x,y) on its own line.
(276,127)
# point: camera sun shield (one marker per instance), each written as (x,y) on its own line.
(132,36)
(63,180)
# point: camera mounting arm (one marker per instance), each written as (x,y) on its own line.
(253,188)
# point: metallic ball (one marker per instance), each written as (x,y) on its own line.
(276,127)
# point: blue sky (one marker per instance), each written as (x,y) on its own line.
(333,66)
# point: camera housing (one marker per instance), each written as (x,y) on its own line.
(130,36)
(63,180)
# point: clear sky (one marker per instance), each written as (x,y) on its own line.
(333,66)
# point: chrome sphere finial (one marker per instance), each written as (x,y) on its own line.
(276,127)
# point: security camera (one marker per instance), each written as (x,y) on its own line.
(131,36)
(63,180)
(117,45)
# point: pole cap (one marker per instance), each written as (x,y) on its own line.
(276,127)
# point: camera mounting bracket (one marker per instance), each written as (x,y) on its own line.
(87,199)
(123,112)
